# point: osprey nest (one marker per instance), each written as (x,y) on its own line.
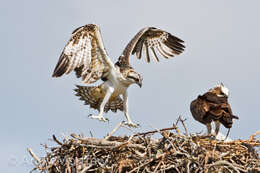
(173,152)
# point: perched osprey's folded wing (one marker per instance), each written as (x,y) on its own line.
(199,109)
(212,97)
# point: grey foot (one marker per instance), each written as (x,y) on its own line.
(212,136)
(209,136)
(98,117)
(131,124)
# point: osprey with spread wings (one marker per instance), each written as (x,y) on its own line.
(86,55)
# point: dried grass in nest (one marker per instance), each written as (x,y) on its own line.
(173,152)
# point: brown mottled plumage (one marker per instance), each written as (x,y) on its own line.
(86,55)
(93,96)
(82,55)
(213,106)
(152,39)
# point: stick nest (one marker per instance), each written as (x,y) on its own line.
(172,152)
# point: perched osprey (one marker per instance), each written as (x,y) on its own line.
(86,55)
(213,106)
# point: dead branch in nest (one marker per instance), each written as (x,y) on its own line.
(34,156)
(105,143)
(172,153)
(254,135)
(155,131)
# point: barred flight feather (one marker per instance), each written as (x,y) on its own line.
(82,54)
(93,96)
(154,54)
(152,38)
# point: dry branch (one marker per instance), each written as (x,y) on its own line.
(172,153)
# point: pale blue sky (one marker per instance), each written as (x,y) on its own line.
(222,39)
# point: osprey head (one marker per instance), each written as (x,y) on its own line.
(224,89)
(134,77)
(220,90)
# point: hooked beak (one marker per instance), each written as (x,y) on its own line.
(235,117)
(139,83)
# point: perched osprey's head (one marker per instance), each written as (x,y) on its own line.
(220,90)
(134,77)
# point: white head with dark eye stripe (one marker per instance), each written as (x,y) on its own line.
(220,90)
(134,77)
(224,89)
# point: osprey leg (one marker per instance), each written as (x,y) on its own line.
(217,126)
(129,121)
(100,116)
(208,128)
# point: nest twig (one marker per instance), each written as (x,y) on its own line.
(173,153)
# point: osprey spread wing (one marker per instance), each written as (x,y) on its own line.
(86,55)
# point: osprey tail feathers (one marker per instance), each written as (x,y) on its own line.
(93,96)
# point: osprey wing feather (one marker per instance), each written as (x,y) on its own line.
(85,54)
(152,40)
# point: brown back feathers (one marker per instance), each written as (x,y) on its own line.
(212,106)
